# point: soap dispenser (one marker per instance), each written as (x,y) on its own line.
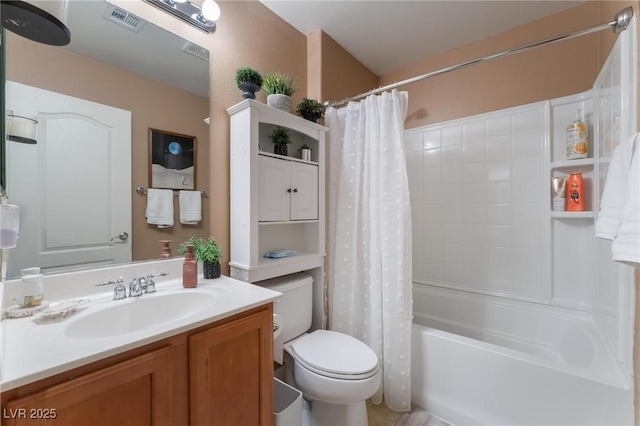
(190,268)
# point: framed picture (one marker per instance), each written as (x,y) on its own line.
(172,160)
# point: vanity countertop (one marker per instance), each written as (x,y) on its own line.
(35,349)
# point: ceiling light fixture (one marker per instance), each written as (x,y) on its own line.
(210,10)
(202,18)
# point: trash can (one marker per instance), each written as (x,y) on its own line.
(287,404)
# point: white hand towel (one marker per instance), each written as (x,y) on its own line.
(160,207)
(614,195)
(190,207)
(626,247)
(619,216)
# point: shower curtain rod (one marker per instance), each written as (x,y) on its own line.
(619,24)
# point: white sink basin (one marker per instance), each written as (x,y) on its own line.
(139,313)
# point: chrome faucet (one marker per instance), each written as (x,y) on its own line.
(137,286)
(120,291)
(151,284)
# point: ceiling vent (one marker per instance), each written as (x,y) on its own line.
(123,18)
(197,51)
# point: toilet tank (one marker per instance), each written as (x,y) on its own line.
(295,304)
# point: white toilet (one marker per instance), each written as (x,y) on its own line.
(337,373)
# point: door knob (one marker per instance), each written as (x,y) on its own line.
(123,236)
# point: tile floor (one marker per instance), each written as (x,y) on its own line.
(380,415)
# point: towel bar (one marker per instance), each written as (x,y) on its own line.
(143,191)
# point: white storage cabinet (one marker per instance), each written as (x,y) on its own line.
(277,202)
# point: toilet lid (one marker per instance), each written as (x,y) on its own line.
(334,354)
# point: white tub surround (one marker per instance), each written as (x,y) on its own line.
(522,305)
(564,340)
(35,350)
(470,382)
(480,359)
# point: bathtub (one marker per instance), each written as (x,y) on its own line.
(485,360)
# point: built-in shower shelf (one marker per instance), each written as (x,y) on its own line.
(583,162)
(573,215)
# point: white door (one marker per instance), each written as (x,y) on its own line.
(274,189)
(73,186)
(304,195)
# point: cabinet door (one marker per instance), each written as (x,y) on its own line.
(304,195)
(273,190)
(231,373)
(137,392)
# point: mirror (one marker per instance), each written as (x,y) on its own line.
(117,61)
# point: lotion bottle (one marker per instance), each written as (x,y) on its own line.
(190,268)
(575,193)
(577,132)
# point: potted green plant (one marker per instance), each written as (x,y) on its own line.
(310,109)
(305,152)
(279,88)
(249,81)
(280,137)
(208,252)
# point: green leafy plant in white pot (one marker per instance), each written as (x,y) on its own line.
(279,88)
(305,152)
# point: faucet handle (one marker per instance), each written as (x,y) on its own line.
(151,284)
(120,292)
(161,274)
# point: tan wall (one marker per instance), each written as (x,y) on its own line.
(340,74)
(60,71)
(248,35)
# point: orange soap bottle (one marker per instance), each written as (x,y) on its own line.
(190,268)
(575,193)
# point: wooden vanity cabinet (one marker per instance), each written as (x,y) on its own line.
(136,392)
(219,374)
(231,373)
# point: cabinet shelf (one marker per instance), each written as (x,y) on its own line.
(286,157)
(267,268)
(287,222)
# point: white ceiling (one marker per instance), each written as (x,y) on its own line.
(388,35)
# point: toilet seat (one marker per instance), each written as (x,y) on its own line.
(336,355)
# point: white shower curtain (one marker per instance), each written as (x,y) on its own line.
(369,260)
